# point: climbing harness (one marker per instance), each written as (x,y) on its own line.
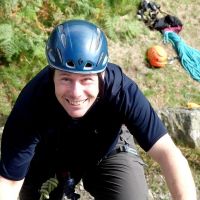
(123,148)
(188,56)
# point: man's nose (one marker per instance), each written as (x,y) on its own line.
(76,89)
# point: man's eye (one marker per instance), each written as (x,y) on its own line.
(65,79)
(88,80)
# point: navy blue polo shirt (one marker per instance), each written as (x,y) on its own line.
(39,134)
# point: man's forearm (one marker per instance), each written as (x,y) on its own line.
(180,182)
(9,189)
(175,168)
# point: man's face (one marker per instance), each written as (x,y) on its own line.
(76,92)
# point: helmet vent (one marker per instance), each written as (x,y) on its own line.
(105,60)
(63,40)
(61,28)
(70,64)
(88,66)
(59,55)
(98,38)
(51,56)
(100,58)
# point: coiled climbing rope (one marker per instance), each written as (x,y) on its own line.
(188,56)
(47,187)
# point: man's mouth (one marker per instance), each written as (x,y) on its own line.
(76,103)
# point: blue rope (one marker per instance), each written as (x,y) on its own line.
(188,56)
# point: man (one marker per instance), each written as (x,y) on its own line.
(68,119)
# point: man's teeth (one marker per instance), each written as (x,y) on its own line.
(76,103)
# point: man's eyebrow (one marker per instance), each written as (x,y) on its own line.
(71,74)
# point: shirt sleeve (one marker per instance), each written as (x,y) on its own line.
(134,108)
(140,118)
(19,140)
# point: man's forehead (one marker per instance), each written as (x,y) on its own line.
(64,73)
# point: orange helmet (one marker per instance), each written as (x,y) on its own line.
(157,56)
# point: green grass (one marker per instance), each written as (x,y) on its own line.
(12,79)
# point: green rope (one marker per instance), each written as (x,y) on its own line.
(47,187)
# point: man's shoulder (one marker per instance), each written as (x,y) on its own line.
(40,80)
(46,74)
(113,72)
(38,88)
(34,99)
(116,77)
(113,67)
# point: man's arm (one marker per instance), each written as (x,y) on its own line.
(9,189)
(175,168)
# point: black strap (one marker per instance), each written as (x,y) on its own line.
(123,148)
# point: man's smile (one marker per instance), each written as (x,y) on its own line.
(76,103)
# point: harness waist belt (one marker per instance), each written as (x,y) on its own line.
(124,148)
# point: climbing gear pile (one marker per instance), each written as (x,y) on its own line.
(157,56)
(169,26)
(149,11)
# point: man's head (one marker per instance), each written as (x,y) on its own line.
(78,52)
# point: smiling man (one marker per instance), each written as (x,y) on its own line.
(68,121)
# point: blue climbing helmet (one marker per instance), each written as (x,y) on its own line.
(77,46)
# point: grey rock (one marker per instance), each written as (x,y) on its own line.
(183,125)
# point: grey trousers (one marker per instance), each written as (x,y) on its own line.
(118,177)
